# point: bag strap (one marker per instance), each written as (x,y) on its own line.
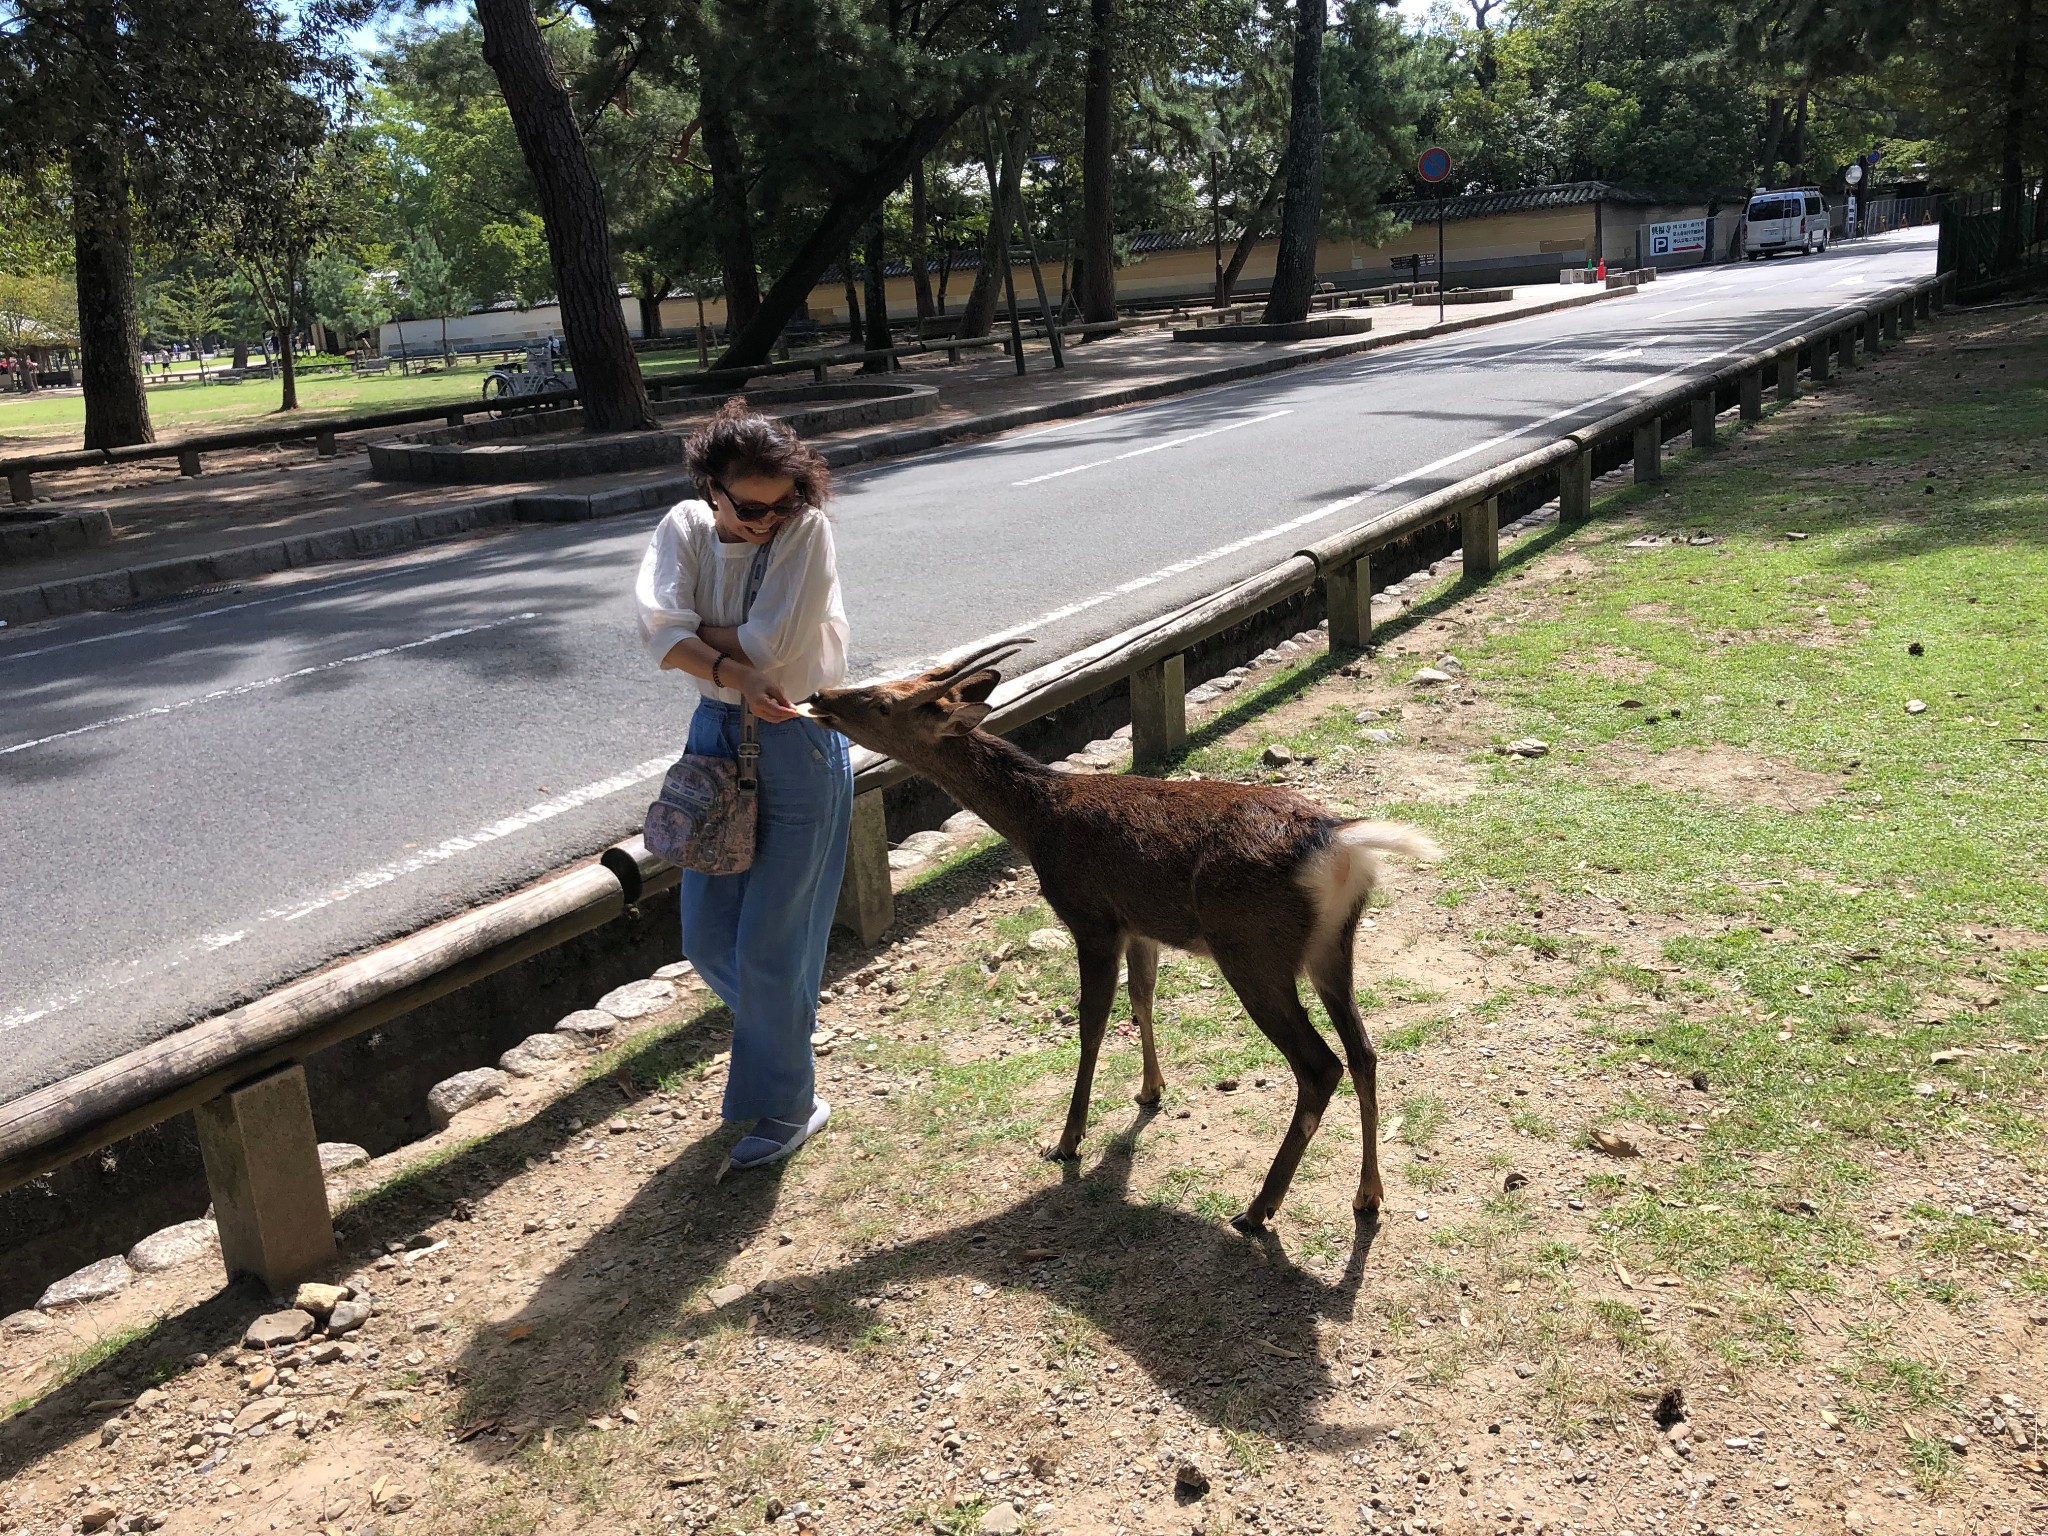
(750,733)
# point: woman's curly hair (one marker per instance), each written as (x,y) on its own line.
(737,439)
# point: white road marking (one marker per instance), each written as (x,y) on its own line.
(448,848)
(238,689)
(1619,353)
(354,885)
(1172,442)
(1663,313)
(1345,503)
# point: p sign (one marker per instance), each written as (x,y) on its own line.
(1680,237)
(1434,165)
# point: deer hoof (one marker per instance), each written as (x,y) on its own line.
(1148,1098)
(1061,1155)
(1249,1222)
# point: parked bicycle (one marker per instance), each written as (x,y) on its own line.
(541,376)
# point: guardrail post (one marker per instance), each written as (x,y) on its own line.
(188,461)
(263,1168)
(1891,322)
(1788,375)
(21,485)
(1923,305)
(1750,392)
(1703,420)
(1159,710)
(1575,488)
(1479,526)
(454,418)
(1649,451)
(1347,593)
(866,903)
(323,444)
(1820,359)
(1944,291)
(1846,338)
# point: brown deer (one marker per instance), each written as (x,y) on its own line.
(1261,880)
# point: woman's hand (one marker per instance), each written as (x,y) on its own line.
(765,699)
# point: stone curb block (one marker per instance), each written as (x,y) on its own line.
(59,598)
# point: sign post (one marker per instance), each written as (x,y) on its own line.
(1433,167)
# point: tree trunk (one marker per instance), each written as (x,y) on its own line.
(732,228)
(2012,195)
(1253,232)
(653,289)
(1098,168)
(836,227)
(878,336)
(1798,156)
(852,298)
(920,237)
(447,359)
(109,335)
(1770,141)
(614,396)
(288,356)
(1294,272)
(241,354)
(978,317)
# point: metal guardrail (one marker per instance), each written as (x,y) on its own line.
(241,1071)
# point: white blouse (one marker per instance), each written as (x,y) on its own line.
(796,631)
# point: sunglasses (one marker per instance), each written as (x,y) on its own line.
(761,511)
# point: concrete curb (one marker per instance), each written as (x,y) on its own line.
(168,578)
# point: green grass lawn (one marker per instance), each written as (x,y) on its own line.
(54,420)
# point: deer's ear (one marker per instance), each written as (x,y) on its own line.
(963,718)
(976,686)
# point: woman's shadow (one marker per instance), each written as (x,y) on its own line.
(1223,1324)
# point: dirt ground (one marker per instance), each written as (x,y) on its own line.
(919,1323)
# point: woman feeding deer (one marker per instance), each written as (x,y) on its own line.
(740,591)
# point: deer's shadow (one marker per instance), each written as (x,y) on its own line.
(1226,1326)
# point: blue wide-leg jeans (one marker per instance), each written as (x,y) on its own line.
(758,937)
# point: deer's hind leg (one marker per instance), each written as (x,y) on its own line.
(1142,956)
(1097,958)
(1269,996)
(1330,973)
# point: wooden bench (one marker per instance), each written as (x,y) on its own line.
(372,365)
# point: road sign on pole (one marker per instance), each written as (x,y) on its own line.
(1433,167)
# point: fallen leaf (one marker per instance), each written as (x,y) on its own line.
(1037,1255)
(517,1332)
(687,1479)
(1627,1283)
(377,1493)
(1276,1351)
(471,1431)
(1615,1146)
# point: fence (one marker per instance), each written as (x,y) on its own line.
(242,1072)
(1972,226)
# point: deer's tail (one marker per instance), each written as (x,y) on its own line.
(1341,875)
(1390,837)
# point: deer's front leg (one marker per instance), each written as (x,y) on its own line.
(1143,958)
(1098,963)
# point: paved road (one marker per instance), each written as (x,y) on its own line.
(203,802)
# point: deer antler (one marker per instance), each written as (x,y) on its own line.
(946,674)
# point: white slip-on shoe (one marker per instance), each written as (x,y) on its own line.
(756,1150)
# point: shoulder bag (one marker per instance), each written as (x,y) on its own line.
(703,819)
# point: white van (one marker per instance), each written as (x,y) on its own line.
(1790,219)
